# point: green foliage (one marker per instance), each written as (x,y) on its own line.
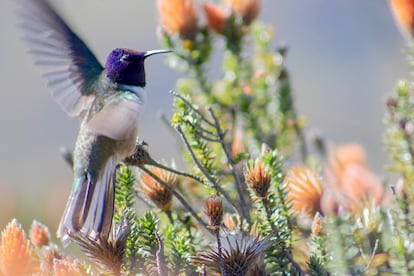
(180,249)
(143,245)
(124,192)
(315,267)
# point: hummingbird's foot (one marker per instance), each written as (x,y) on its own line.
(140,157)
(142,143)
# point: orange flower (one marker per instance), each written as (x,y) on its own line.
(258,178)
(66,267)
(348,174)
(247,9)
(344,155)
(39,234)
(15,251)
(359,182)
(231,222)
(403,11)
(178,17)
(304,190)
(216,17)
(159,195)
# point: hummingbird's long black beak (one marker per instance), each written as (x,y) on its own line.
(155,52)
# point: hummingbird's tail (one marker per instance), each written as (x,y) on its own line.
(90,206)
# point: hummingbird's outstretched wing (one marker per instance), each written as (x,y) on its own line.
(69,66)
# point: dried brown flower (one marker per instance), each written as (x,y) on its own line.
(159,195)
(258,178)
(15,251)
(241,255)
(304,190)
(216,17)
(213,208)
(403,11)
(178,17)
(39,234)
(107,253)
(247,9)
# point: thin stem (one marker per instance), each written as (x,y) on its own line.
(408,139)
(170,217)
(300,134)
(213,140)
(160,256)
(219,251)
(178,196)
(178,172)
(192,107)
(265,203)
(238,182)
(374,251)
(203,170)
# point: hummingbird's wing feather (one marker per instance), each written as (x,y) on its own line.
(116,120)
(99,219)
(91,205)
(68,65)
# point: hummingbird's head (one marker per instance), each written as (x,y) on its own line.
(126,66)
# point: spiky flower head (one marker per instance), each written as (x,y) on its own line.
(107,253)
(66,266)
(39,234)
(241,255)
(47,259)
(258,178)
(15,251)
(178,17)
(304,189)
(213,208)
(156,192)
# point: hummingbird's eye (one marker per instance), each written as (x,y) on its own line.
(126,58)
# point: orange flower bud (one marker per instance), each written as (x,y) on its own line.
(178,17)
(39,234)
(216,17)
(213,208)
(247,9)
(317,224)
(403,11)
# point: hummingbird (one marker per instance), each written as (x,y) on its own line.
(108,99)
